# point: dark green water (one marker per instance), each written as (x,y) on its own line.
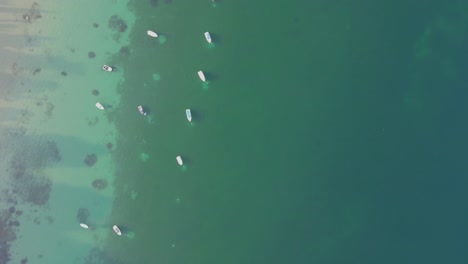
(328,133)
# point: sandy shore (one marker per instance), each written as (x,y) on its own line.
(56,167)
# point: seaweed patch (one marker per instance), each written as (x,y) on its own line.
(117,23)
(99,184)
(33,13)
(90,160)
(124,51)
(27,183)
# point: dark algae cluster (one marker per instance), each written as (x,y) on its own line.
(90,160)
(28,185)
(117,23)
(99,184)
(33,13)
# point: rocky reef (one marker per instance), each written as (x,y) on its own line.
(90,160)
(117,23)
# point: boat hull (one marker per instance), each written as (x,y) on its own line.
(108,68)
(202,76)
(85,226)
(140,109)
(179,160)
(99,106)
(188,113)
(208,37)
(152,34)
(117,230)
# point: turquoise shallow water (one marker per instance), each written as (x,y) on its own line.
(327,133)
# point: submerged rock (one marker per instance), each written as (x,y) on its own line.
(124,51)
(109,146)
(90,160)
(37,70)
(117,23)
(33,13)
(100,184)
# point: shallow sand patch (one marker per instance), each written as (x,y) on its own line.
(46,104)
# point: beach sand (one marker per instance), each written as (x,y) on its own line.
(49,125)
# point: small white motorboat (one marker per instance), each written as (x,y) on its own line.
(201,75)
(188,113)
(100,106)
(140,109)
(117,230)
(152,34)
(208,37)
(179,160)
(108,68)
(85,226)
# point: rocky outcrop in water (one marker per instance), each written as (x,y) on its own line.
(117,23)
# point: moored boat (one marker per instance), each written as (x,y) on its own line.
(140,109)
(108,68)
(152,34)
(85,226)
(208,37)
(179,160)
(117,230)
(100,106)
(188,113)
(201,75)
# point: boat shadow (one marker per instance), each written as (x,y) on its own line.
(197,116)
(211,76)
(187,162)
(124,229)
(216,39)
(147,110)
(160,40)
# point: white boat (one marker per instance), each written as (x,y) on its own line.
(85,226)
(140,109)
(108,68)
(100,106)
(208,37)
(152,34)
(201,75)
(179,160)
(188,113)
(117,230)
